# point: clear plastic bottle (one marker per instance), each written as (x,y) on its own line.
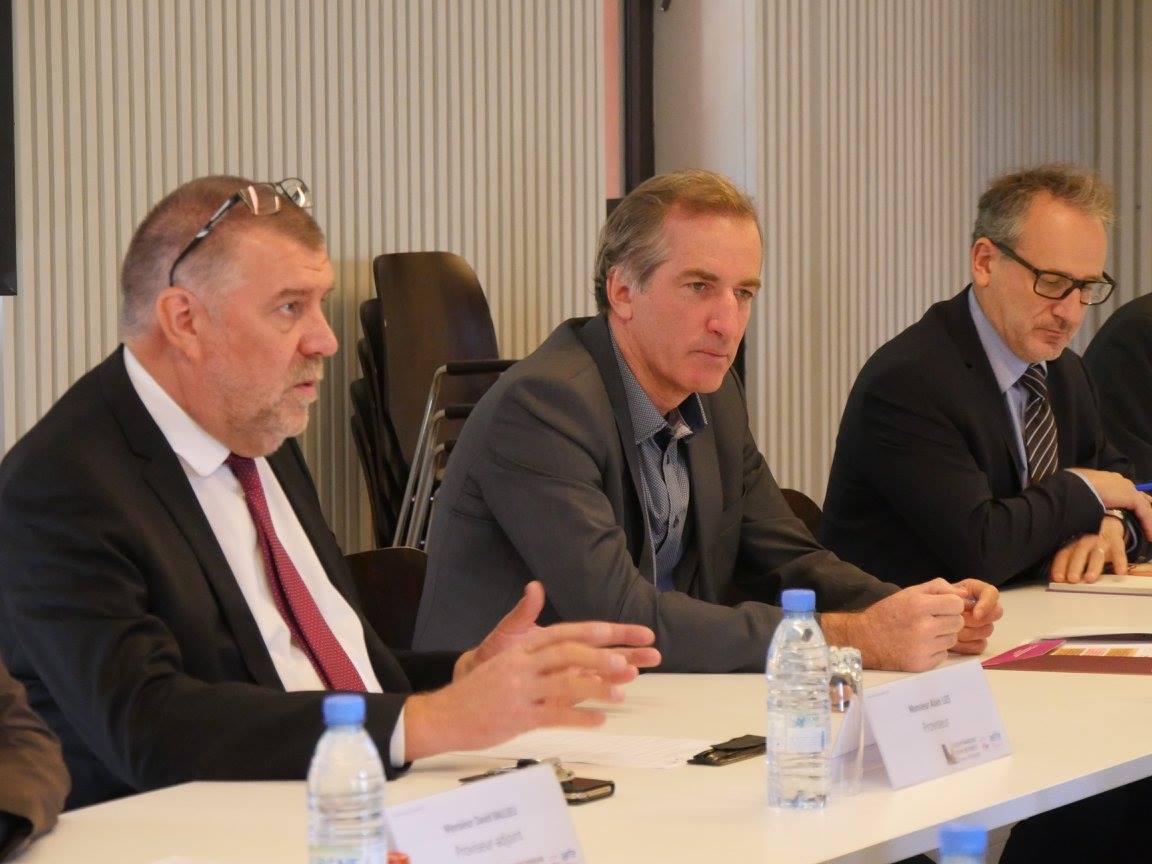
(799,714)
(346,821)
(961,843)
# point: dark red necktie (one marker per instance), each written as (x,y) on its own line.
(293,600)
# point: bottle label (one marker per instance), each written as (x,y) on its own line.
(797,732)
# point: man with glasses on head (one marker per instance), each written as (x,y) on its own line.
(170,593)
(971,445)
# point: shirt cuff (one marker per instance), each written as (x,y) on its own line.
(396,745)
(1091,488)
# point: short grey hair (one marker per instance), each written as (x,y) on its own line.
(173,222)
(633,237)
(1001,210)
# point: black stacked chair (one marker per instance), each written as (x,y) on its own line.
(429,354)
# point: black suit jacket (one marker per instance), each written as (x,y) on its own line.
(1119,359)
(124,622)
(544,484)
(925,480)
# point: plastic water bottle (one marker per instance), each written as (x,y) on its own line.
(799,714)
(346,823)
(963,844)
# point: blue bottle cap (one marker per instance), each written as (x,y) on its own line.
(960,838)
(344,709)
(798,600)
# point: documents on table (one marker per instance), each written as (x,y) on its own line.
(599,748)
(1138,581)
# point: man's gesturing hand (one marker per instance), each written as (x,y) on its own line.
(523,676)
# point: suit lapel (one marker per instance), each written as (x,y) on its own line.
(1061,398)
(162,472)
(595,338)
(992,404)
(287,464)
(704,477)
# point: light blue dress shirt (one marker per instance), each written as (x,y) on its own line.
(1008,369)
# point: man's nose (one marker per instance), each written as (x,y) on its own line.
(319,338)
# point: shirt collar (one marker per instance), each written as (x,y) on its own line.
(646,418)
(199,450)
(1006,366)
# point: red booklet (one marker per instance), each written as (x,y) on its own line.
(1113,653)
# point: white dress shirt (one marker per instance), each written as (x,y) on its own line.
(222,500)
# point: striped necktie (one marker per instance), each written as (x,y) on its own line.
(1040,441)
(293,600)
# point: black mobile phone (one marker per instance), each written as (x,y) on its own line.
(733,750)
(581,790)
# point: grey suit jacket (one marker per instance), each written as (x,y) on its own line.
(544,484)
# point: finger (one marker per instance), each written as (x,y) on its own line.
(1078,559)
(987,601)
(571,687)
(942,627)
(596,633)
(946,604)
(976,646)
(968,634)
(1118,555)
(1143,513)
(1094,564)
(524,614)
(603,661)
(1058,572)
(642,658)
(943,586)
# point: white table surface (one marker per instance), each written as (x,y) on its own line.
(1072,735)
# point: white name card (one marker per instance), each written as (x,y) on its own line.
(935,723)
(515,817)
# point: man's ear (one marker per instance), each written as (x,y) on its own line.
(620,290)
(180,318)
(982,255)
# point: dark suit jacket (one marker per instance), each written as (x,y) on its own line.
(544,484)
(925,480)
(1119,359)
(33,781)
(123,620)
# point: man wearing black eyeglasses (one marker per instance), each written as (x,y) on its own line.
(971,445)
(170,593)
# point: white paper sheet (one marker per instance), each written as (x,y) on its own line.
(598,748)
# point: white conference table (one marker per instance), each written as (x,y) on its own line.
(1072,735)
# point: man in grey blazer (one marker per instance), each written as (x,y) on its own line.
(615,464)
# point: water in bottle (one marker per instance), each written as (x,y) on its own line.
(346,824)
(799,716)
(963,844)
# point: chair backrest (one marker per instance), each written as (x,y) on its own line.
(372,324)
(390,582)
(385,489)
(433,311)
(382,526)
(806,510)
